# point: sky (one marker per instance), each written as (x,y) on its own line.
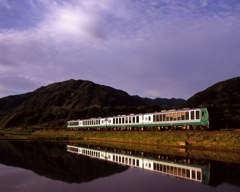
(150,48)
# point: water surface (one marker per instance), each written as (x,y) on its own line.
(45,166)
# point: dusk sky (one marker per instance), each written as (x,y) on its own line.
(150,48)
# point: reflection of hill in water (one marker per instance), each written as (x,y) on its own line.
(51,160)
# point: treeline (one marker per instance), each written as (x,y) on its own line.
(59,116)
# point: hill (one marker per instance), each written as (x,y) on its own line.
(56,103)
(225,94)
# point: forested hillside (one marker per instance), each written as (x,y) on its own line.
(225,94)
(56,103)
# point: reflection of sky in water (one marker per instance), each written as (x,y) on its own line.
(134,179)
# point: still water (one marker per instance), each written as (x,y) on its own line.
(57,166)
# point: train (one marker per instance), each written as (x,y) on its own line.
(204,118)
(191,172)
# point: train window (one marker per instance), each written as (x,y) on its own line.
(137,121)
(175,116)
(183,173)
(116,158)
(160,167)
(116,120)
(161,117)
(154,118)
(198,175)
(154,166)
(133,161)
(137,162)
(167,117)
(157,166)
(188,173)
(123,120)
(119,120)
(133,119)
(113,157)
(164,168)
(202,113)
(122,159)
(175,171)
(171,116)
(130,161)
(129,119)
(187,115)
(171,170)
(158,117)
(126,160)
(179,116)
(168,169)
(193,174)
(179,171)
(149,165)
(197,115)
(113,121)
(126,120)
(192,115)
(183,115)
(149,118)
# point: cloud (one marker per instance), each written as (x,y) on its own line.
(157,48)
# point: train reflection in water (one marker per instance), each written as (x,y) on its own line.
(193,172)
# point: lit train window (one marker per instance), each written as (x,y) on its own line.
(175,116)
(179,171)
(171,170)
(197,114)
(168,169)
(183,173)
(183,115)
(171,116)
(179,116)
(161,117)
(175,171)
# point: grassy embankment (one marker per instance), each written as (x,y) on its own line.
(220,140)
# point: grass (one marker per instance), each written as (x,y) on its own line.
(221,140)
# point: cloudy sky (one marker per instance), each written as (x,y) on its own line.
(151,48)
